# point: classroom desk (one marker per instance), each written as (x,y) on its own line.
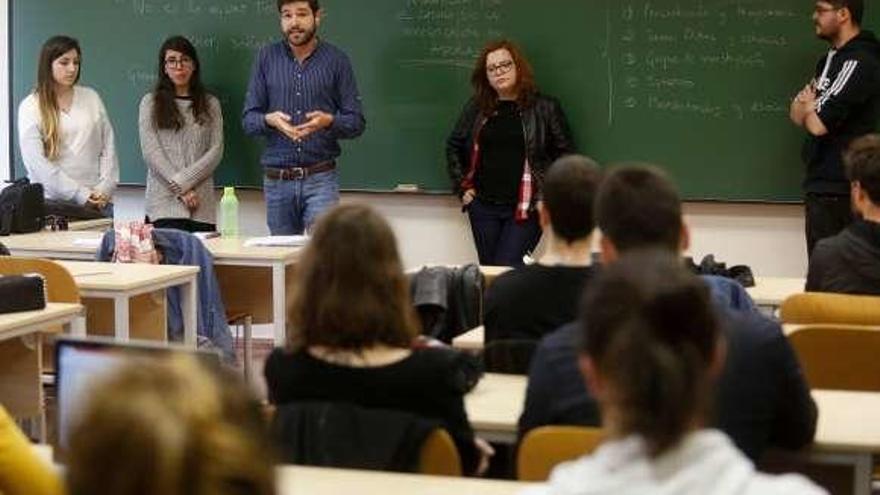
(243,288)
(847,432)
(298,480)
(472,340)
(21,389)
(98,224)
(121,282)
(247,275)
(771,291)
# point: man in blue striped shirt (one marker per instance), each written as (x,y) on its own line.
(302,97)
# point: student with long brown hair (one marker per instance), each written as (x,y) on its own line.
(170,425)
(64,132)
(181,133)
(504,141)
(354,330)
(651,351)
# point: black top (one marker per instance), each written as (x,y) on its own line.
(531,301)
(430,383)
(849,262)
(502,156)
(762,398)
(848,104)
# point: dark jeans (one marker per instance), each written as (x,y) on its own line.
(499,238)
(185,224)
(826,216)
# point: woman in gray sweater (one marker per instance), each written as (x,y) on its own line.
(181,132)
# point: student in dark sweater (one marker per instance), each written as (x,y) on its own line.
(355,330)
(533,300)
(850,261)
(761,397)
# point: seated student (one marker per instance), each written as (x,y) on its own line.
(850,261)
(181,134)
(533,300)
(66,139)
(651,350)
(172,427)
(21,471)
(762,398)
(355,329)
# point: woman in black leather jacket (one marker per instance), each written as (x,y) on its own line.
(505,139)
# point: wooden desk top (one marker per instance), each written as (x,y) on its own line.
(99,276)
(847,421)
(494,406)
(771,291)
(472,340)
(99,224)
(227,249)
(299,480)
(53,244)
(14,325)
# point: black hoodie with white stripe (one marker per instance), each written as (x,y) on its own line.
(848,104)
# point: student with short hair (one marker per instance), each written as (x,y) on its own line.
(355,329)
(849,262)
(181,134)
(170,425)
(531,301)
(651,350)
(761,398)
(64,133)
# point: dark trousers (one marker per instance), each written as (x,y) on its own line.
(499,238)
(826,216)
(182,224)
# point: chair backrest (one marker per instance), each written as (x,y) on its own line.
(822,307)
(839,358)
(545,447)
(439,456)
(60,286)
(511,356)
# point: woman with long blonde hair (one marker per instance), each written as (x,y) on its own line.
(65,136)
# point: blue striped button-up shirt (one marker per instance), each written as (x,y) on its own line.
(324,81)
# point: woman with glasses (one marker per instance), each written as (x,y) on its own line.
(65,136)
(181,131)
(505,139)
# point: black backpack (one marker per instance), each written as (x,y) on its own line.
(22,208)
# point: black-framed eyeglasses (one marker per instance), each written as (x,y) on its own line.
(179,62)
(500,67)
(822,10)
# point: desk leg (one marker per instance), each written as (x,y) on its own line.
(120,317)
(189,305)
(863,475)
(78,327)
(279,302)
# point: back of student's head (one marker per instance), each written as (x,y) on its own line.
(568,194)
(638,207)
(170,426)
(651,335)
(856,8)
(862,161)
(351,292)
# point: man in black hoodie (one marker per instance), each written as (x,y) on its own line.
(842,103)
(850,261)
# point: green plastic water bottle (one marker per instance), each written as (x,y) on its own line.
(229,213)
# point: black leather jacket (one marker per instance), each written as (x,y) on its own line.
(546,130)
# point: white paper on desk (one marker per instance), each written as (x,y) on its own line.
(277,240)
(93,242)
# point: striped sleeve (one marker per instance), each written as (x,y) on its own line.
(852,86)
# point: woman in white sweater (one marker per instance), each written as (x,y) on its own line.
(181,131)
(65,136)
(650,352)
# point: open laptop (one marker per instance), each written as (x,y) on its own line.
(80,363)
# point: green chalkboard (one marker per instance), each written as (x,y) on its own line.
(700,87)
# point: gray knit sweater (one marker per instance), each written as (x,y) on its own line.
(179,161)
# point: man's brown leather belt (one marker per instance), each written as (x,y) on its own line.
(299,173)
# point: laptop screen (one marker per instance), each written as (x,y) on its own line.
(80,363)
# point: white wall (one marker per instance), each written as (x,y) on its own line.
(432,229)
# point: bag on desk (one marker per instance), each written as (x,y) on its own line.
(22,293)
(22,208)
